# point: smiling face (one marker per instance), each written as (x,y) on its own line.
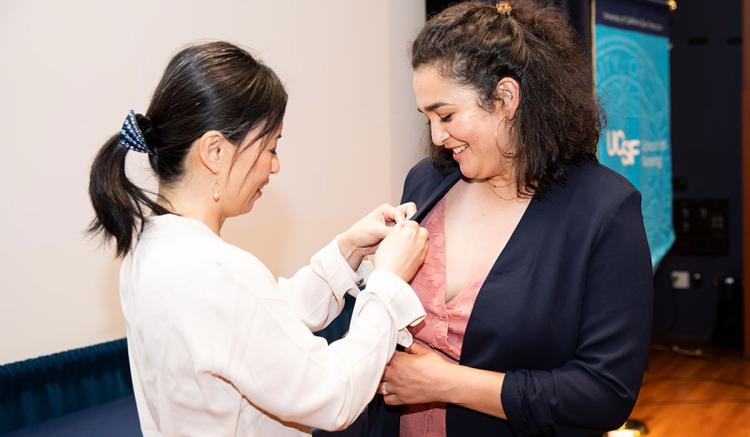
(248,170)
(458,122)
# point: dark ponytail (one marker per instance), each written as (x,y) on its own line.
(118,203)
(212,86)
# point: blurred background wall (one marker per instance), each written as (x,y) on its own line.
(70,72)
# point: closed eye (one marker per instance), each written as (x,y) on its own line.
(443,119)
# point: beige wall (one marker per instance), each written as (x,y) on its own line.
(72,69)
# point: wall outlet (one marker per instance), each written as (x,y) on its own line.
(681,279)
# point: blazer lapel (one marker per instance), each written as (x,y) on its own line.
(427,205)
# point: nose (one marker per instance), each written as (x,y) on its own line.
(439,135)
(275,165)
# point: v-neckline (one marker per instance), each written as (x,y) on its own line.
(503,257)
(498,259)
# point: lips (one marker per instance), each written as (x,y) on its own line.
(260,189)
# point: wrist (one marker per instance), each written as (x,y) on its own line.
(351,253)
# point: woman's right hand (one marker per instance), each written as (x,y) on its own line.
(403,251)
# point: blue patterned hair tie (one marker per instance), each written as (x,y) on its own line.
(131,136)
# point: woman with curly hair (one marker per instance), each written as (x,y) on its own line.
(538,281)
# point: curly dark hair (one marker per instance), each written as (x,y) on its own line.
(559,119)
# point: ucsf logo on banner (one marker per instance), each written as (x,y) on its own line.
(632,80)
(618,145)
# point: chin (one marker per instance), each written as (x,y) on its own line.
(248,208)
(467,171)
(242,210)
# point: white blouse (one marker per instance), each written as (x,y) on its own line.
(218,348)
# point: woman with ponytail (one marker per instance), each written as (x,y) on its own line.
(217,346)
(538,283)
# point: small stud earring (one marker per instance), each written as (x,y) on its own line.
(215,189)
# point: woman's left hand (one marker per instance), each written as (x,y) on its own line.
(363,237)
(417,376)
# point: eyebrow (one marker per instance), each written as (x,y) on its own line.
(433,107)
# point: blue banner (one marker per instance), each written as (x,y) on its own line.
(631,50)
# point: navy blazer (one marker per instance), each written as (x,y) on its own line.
(565,311)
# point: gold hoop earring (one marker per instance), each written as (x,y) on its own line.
(215,190)
(504,152)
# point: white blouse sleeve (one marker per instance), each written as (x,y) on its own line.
(258,344)
(316,291)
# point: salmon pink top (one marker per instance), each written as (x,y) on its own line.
(444,327)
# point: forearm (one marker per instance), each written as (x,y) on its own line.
(316,291)
(475,389)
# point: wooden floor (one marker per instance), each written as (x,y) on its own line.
(707,395)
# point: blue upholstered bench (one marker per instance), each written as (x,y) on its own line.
(117,418)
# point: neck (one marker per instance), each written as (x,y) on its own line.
(502,185)
(191,203)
